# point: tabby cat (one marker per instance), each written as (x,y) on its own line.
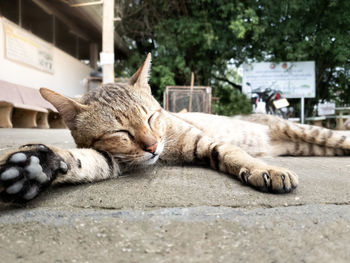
(121,126)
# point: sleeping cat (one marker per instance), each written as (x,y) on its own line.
(121,126)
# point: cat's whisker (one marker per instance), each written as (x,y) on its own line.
(168,142)
(128,156)
(171,136)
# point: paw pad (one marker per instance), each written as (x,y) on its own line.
(35,171)
(9,174)
(25,174)
(63,167)
(31,193)
(15,188)
(18,158)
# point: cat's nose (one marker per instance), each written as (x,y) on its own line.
(152,148)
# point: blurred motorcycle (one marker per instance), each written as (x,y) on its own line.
(269,101)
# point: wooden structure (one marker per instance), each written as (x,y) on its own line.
(342,116)
(316,121)
(177,98)
(23,107)
(53,44)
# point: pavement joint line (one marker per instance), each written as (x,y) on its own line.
(262,206)
(319,212)
(11,207)
(337,203)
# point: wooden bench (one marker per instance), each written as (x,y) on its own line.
(341,117)
(23,107)
(296,120)
(339,122)
(347,124)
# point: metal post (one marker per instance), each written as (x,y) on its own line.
(302,107)
(191,92)
(107,54)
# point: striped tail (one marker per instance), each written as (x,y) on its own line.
(282,129)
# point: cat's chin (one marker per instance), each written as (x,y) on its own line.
(152,160)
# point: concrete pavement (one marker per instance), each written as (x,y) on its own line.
(180,214)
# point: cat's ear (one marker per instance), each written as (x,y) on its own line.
(141,76)
(67,107)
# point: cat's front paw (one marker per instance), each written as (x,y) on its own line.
(270,179)
(25,173)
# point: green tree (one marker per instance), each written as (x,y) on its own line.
(207,36)
(299,30)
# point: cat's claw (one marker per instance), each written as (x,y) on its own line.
(272,179)
(26,173)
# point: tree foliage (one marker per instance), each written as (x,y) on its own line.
(208,37)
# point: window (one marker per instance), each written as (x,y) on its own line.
(9,9)
(37,21)
(65,38)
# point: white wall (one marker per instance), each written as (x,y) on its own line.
(68,77)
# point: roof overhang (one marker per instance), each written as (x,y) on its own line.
(84,17)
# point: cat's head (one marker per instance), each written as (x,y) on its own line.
(122,119)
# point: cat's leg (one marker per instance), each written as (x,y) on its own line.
(192,146)
(233,160)
(250,170)
(26,172)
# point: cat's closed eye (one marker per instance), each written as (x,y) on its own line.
(125,132)
(153,117)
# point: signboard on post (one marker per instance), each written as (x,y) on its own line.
(293,79)
(26,48)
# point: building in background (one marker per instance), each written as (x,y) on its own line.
(51,43)
(47,43)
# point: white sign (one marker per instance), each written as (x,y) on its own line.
(22,46)
(106,58)
(327,108)
(293,79)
